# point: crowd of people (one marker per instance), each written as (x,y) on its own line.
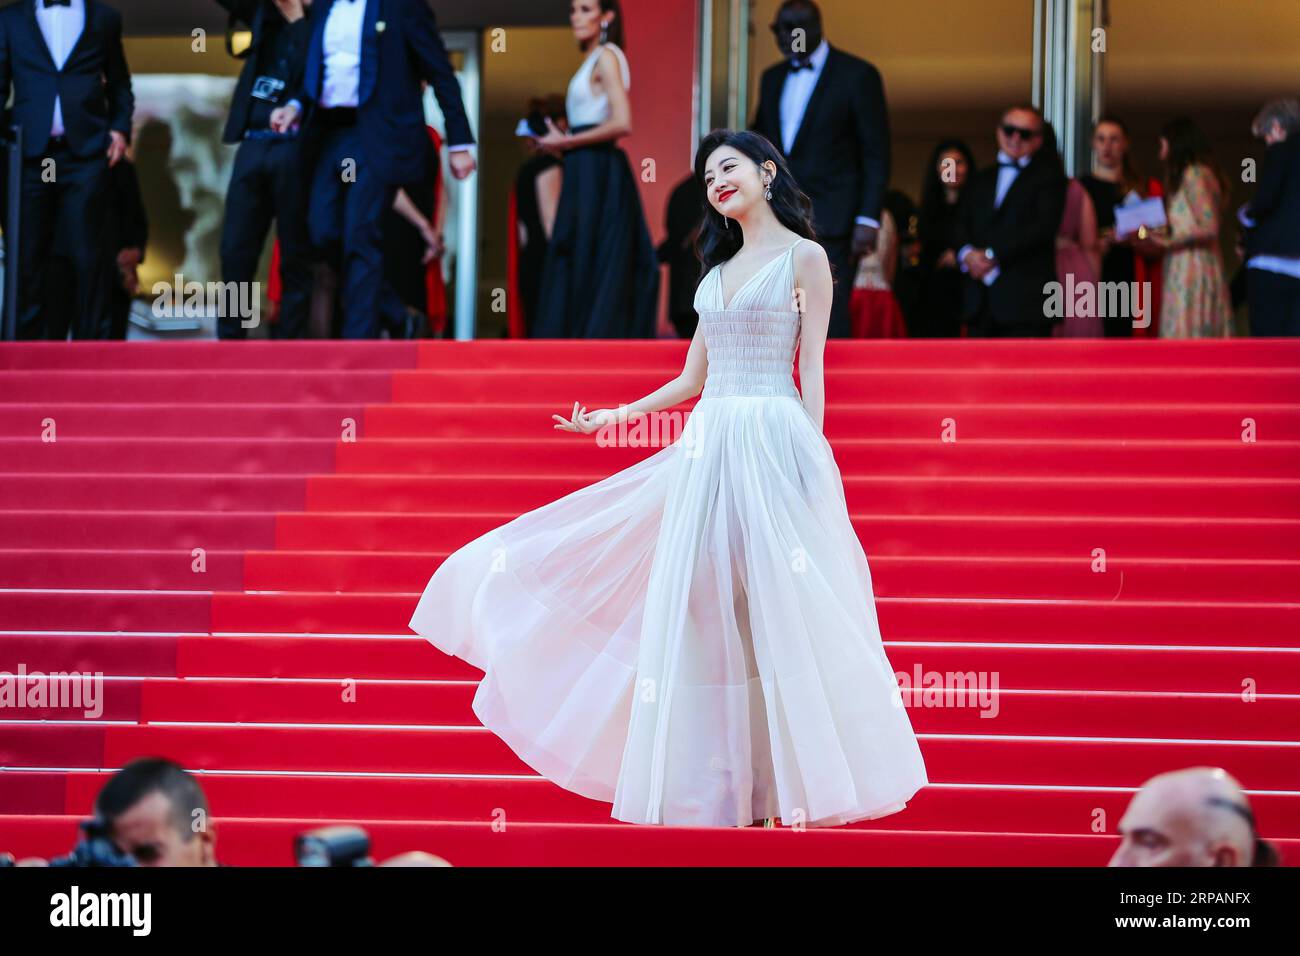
(980,254)
(333,151)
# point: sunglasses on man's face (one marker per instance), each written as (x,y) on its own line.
(1011,132)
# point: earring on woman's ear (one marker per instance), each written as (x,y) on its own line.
(768,194)
(726,223)
(604,33)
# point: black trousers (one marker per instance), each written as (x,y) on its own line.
(63,195)
(840,253)
(1274,303)
(268,183)
(345,222)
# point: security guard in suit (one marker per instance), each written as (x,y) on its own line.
(268,182)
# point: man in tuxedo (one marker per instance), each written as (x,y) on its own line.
(268,182)
(825,110)
(63,60)
(365,119)
(1273,225)
(1008,220)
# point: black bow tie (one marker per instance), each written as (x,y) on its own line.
(57,3)
(795,66)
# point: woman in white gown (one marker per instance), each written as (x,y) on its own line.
(694,639)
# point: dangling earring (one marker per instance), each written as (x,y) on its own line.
(726,223)
(604,33)
(768,194)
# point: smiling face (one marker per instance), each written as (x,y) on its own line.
(734,182)
(586,19)
(1020,134)
(1110,144)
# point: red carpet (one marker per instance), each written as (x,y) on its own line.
(1185,650)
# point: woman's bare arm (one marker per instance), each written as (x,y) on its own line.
(814,294)
(686,385)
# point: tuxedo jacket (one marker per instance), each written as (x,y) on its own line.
(93,88)
(265,23)
(1276,206)
(840,154)
(400,46)
(1022,234)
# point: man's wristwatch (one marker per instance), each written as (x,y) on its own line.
(988,254)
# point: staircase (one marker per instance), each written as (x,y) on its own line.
(235,535)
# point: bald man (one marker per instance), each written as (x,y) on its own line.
(1193,817)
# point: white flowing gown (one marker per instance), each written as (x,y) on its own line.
(694,639)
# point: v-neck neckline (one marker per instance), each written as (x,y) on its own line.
(722,284)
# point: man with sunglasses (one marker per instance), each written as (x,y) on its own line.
(1008,220)
(824,109)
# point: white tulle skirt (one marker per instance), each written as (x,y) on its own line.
(693,639)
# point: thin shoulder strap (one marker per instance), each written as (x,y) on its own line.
(794,291)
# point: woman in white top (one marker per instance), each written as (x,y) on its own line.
(601,279)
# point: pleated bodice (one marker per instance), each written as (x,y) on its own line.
(751,340)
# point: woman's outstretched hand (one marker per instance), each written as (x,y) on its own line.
(583,421)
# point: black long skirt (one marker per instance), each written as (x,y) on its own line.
(601,277)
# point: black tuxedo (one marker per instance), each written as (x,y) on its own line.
(1022,234)
(64,179)
(94,86)
(1275,297)
(394,59)
(839,157)
(383,142)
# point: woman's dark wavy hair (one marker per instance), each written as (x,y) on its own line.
(716,243)
(933,192)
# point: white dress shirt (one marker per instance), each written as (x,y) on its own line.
(341,59)
(62,28)
(1008,171)
(795,97)
(341,55)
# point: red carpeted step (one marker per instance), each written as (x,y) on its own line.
(898,494)
(938,807)
(946,709)
(541,354)
(200,386)
(130,655)
(262,842)
(993,759)
(966,457)
(607,386)
(137,530)
(79,697)
(316,355)
(1129,622)
(884,534)
(120,569)
(58,610)
(1047,421)
(100,420)
(148,491)
(134,455)
(928,576)
(1037,667)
